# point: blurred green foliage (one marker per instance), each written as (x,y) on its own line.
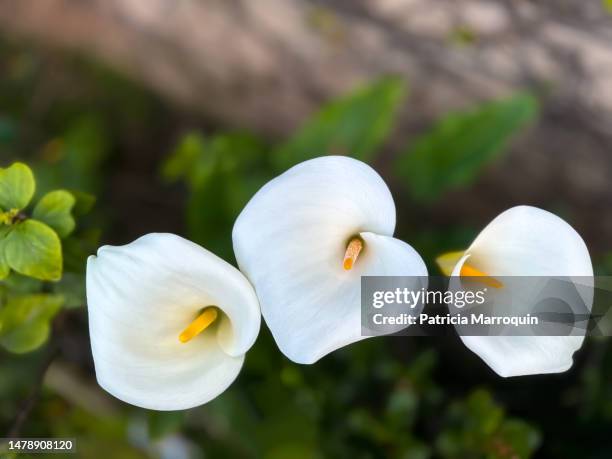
(391,397)
(461,144)
(356,125)
(229,167)
(25,320)
(478,424)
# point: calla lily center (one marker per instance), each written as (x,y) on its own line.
(200,323)
(449,260)
(353,249)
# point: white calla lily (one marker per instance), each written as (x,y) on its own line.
(524,241)
(304,241)
(149,304)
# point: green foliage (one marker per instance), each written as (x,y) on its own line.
(478,427)
(461,144)
(356,125)
(78,247)
(83,202)
(72,159)
(5,268)
(34,249)
(190,161)
(16,187)
(222,173)
(55,209)
(72,288)
(25,321)
(30,246)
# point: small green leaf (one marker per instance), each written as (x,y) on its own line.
(189,160)
(76,250)
(18,283)
(355,125)
(485,414)
(478,427)
(519,437)
(461,144)
(4,267)
(34,249)
(72,288)
(54,209)
(26,321)
(222,173)
(17,186)
(84,202)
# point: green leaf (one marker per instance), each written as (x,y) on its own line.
(72,288)
(17,186)
(34,249)
(197,159)
(461,144)
(26,321)
(189,160)
(84,202)
(478,427)
(75,159)
(222,173)
(18,284)
(355,125)
(76,250)
(54,209)
(240,169)
(485,415)
(4,266)
(519,437)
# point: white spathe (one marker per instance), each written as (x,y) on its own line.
(528,242)
(140,298)
(290,241)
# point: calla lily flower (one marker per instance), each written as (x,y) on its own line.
(169,321)
(524,241)
(304,241)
